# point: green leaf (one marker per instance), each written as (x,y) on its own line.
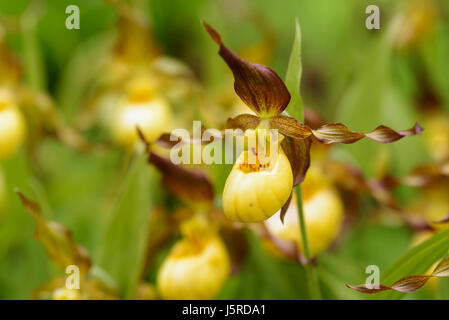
(32,53)
(126,235)
(415,261)
(293,78)
(17,175)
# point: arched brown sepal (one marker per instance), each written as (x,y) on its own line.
(260,88)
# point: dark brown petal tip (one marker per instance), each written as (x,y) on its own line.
(339,133)
(408,283)
(258,86)
(169,140)
(285,208)
(243,121)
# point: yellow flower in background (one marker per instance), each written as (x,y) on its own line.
(437,135)
(67,294)
(143,108)
(12,125)
(197,265)
(433,205)
(255,190)
(414,22)
(323,213)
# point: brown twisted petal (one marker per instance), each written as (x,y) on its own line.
(258,86)
(409,283)
(166,142)
(243,121)
(189,185)
(339,133)
(327,134)
(298,153)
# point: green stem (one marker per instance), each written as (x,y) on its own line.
(33,59)
(311,270)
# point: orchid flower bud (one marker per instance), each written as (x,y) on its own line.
(323,213)
(196,267)
(257,186)
(12,125)
(141,108)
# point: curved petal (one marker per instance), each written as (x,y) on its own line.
(189,185)
(339,133)
(258,86)
(290,127)
(298,153)
(243,121)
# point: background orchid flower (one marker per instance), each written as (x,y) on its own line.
(12,125)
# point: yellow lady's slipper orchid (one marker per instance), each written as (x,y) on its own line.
(142,108)
(323,213)
(196,267)
(253,192)
(12,125)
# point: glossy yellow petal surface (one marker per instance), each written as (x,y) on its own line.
(254,195)
(194,270)
(12,130)
(152,117)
